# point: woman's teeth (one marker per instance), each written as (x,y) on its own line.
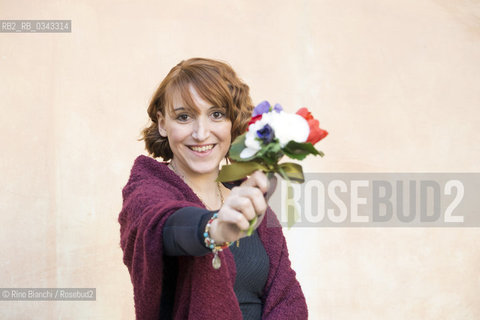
(202,149)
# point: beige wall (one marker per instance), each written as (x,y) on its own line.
(395,82)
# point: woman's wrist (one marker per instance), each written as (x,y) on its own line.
(212,244)
(213,232)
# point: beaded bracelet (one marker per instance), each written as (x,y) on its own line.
(210,243)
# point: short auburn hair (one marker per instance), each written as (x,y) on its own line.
(215,82)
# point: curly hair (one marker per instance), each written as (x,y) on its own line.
(216,82)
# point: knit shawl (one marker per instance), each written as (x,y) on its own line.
(151,195)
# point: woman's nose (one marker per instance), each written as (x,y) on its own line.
(201,130)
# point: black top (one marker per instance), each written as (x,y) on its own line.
(251,259)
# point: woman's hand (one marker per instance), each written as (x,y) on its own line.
(244,203)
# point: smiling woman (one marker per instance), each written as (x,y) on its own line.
(199,136)
(178,224)
(213,82)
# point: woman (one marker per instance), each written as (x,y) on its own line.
(182,233)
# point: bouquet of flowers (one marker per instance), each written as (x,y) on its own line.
(271,134)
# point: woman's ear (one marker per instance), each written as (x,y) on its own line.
(161,124)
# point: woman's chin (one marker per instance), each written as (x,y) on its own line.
(204,168)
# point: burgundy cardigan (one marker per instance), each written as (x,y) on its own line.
(151,195)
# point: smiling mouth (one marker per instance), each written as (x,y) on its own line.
(203,148)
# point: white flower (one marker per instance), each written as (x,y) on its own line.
(286,126)
(252,144)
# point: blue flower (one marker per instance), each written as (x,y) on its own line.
(266,134)
(262,107)
(278,108)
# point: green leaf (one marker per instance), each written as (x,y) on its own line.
(291,171)
(299,151)
(271,153)
(238,170)
(236,148)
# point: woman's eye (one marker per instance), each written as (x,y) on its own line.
(218,115)
(183,117)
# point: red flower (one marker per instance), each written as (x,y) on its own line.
(316,134)
(254,119)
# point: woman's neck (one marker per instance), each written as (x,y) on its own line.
(204,185)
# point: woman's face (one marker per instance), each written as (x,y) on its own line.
(199,141)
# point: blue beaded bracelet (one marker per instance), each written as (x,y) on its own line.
(210,243)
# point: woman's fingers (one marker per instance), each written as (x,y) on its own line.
(249,200)
(257,179)
(244,203)
(233,222)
